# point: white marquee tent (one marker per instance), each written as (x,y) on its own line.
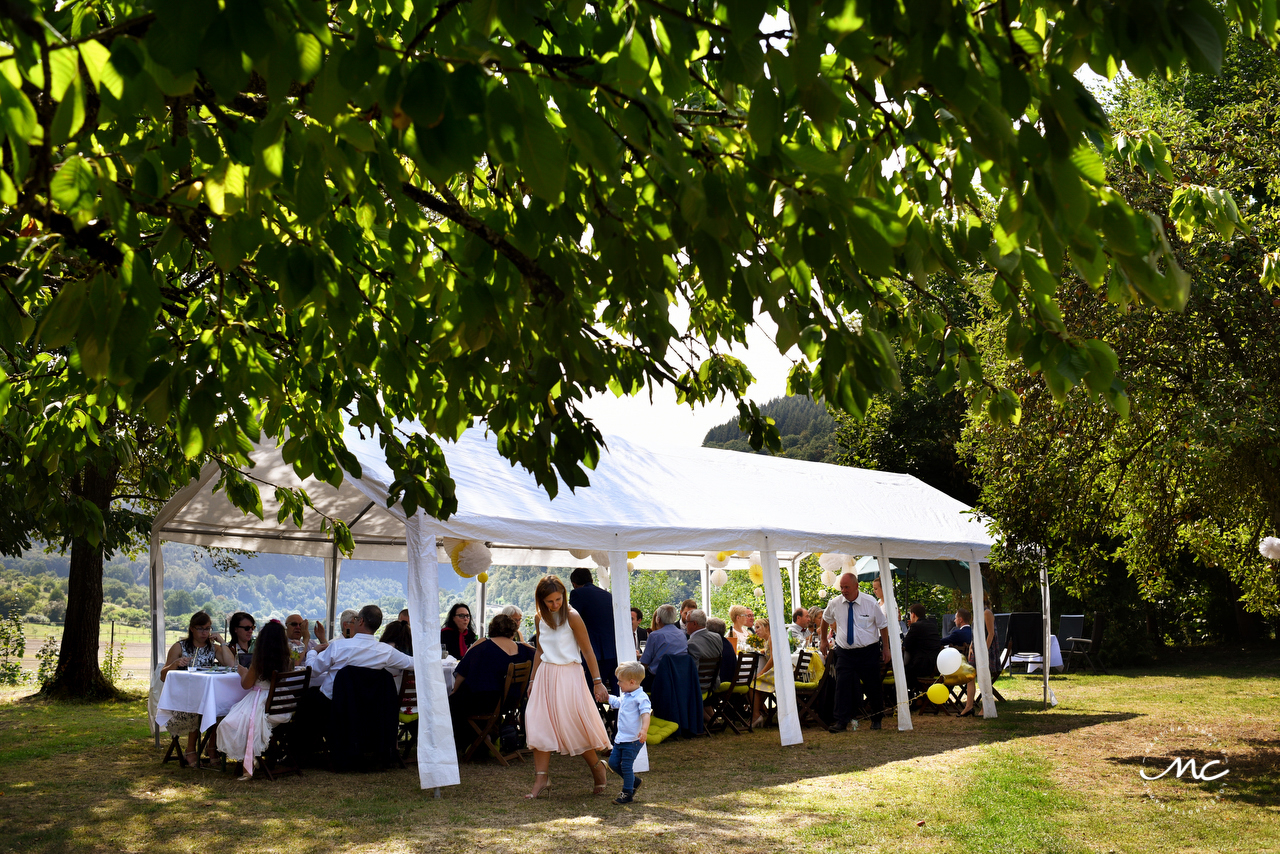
(673,504)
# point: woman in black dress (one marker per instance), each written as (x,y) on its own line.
(479,677)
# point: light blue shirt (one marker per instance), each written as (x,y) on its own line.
(668,640)
(630,707)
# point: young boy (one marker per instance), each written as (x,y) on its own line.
(634,710)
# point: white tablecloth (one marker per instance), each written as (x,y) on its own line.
(209,695)
(1034,661)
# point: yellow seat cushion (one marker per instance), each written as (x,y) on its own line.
(660,730)
(742,689)
(806,686)
(407,719)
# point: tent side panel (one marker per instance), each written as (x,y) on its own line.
(437,755)
(980,659)
(784,684)
(895,644)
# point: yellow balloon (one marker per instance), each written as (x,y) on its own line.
(483,578)
(632,555)
(756,572)
(937,694)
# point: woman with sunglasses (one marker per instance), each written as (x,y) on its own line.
(242,629)
(202,647)
(456,635)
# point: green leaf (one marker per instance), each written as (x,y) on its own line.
(75,187)
(17,111)
(764,117)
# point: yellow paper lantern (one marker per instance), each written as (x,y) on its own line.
(632,555)
(756,573)
(631,567)
(723,556)
(483,578)
(937,694)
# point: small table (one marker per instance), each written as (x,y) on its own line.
(1034,661)
(210,695)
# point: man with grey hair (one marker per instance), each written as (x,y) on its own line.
(347,622)
(703,645)
(667,640)
(360,650)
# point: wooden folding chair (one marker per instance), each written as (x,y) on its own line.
(709,674)
(408,706)
(799,676)
(287,690)
(738,703)
(507,711)
(807,697)
(1082,647)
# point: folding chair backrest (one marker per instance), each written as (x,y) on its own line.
(948,623)
(748,661)
(408,691)
(515,686)
(1070,626)
(801,673)
(287,688)
(1002,631)
(1026,633)
(709,673)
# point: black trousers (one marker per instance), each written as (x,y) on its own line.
(858,675)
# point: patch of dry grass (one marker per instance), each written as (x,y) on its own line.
(89,779)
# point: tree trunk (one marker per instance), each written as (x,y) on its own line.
(78,676)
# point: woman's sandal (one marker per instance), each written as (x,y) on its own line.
(537,793)
(191,759)
(601,786)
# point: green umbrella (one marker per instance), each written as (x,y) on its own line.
(943,573)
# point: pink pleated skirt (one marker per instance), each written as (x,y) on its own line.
(561,716)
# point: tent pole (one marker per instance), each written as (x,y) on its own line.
(482,595)
(980,658)
(895,643)
(1044,605)
(620,588)
(784,685)
(332,569)
(795,584)
(157,611)
(704,575)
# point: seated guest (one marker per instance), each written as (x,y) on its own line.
(703,645)
(920,646)
(360,650)
(799,626)
(728,652)
(740,619)
(299,636)
(202,647)
(478,679)
(763,683)
(963,632)
(637,633)
(404,616)
(456,635)
(242,629)
(815,625)
(517,617)
(347,621)
(668,640)
(247,718)
(685,607)
(397,634)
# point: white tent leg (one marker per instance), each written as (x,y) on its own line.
(481,595)
(437,755)
(784,685)
(795,584)
(620,587)
(980,658)
(332,570)
(895,643)
(1044,602)
(156,593)
(704,575)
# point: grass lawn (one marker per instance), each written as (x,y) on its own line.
(88,778)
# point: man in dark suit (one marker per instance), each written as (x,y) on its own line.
(728,653)
(595,606)
(920,646)
(638,632)
(703,645)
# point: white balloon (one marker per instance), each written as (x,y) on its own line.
(712,559)
(719,577)
(949,661)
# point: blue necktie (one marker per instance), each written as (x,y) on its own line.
(849,631)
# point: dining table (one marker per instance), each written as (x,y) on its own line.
(210,694)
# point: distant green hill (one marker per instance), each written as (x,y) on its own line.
(807,429)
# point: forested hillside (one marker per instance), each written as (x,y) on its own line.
(806,427)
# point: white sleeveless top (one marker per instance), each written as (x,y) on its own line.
(559,646)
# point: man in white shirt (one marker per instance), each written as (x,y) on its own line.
(862,643)
(360,650)
(799,628)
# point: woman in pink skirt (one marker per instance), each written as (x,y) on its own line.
(560,717)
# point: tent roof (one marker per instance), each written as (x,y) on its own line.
(640,499)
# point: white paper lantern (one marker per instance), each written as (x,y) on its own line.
(743,553)
(713,560)
(831,562)
(631,566)
(949,661)
(601,559)
(471,559)
(758,592)
(719,577)
(829,578)
(580,554)
(1270,548)
(850,563)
